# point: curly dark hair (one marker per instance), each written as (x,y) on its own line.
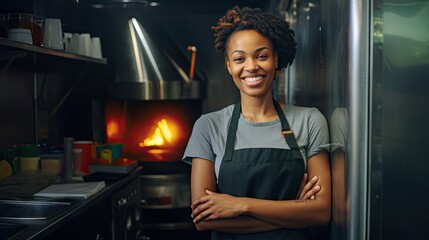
(270,26)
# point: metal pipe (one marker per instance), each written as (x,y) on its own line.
(359,111)
(192,49)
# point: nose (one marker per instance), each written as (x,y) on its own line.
(251,65)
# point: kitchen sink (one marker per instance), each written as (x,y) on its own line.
(30,210)
(7,230)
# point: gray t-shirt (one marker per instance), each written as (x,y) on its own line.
(209,134)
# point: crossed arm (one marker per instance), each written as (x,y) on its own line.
(226,213)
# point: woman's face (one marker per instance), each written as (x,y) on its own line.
(251,61)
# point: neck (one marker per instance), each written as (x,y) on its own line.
(258,109)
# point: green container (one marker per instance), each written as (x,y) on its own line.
(29,150)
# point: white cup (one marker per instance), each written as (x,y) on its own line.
(85,44)
(96,48)
(53,34)
(20,35)
(74,43)
(67,41)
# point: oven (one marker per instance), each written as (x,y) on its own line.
(151,131)
(154,133)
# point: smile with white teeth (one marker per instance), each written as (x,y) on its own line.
(253,79)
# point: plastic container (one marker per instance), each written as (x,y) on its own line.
(51,163)
(109,152)
(20,35)
(29,156)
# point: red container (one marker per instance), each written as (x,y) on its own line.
(87,149)
(26,21)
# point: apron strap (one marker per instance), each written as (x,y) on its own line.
(232,130)
(288,133)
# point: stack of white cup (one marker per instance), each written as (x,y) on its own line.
(83,44)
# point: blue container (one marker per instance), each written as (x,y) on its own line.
(111,151)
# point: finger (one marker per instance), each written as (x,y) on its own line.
(199,201)
(308,187)
(312,193)
(209,192)
(202,216)
(199,209)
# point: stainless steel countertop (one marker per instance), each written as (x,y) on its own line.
(23,187)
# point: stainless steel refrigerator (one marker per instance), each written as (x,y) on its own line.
(365,65)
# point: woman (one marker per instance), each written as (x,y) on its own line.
(247,163)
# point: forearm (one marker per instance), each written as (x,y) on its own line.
(265,215)
(290,213)
(240,224)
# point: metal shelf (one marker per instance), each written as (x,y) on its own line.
(47,52)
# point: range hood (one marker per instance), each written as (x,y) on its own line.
(143,71)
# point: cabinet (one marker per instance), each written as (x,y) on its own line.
(35,83)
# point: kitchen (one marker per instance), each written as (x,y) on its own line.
(61,93)
(354,59)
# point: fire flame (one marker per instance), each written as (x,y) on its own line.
(113,131)
(112,128)
(160,137)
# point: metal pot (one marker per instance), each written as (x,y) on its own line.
(165,191)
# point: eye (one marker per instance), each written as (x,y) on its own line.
(262,56)
(239,59)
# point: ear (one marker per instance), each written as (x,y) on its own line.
(227,66)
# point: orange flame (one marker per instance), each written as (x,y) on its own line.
(160,137)
(112,129)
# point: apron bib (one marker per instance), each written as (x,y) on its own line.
(263,173)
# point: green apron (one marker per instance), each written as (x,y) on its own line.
(263,173)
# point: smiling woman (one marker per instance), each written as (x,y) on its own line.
(247,182)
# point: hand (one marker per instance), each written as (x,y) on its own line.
(308,190)
(215,206)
